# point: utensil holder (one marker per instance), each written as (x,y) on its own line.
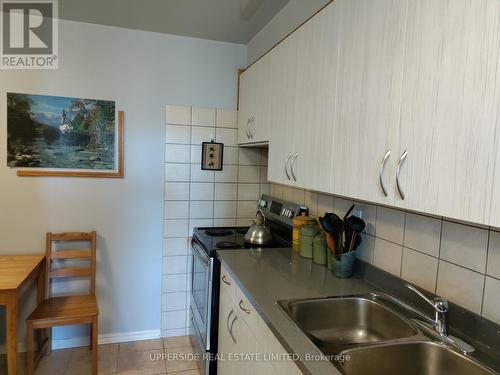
(343,268)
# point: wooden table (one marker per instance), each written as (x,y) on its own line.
(17,274)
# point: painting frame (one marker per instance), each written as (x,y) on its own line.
(216,162)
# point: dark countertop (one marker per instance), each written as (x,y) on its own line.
(275,274)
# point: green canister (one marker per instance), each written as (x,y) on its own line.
(319,249)
(307,234)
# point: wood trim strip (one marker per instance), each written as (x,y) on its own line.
(71,236)
(70,272)
(52,173)
(71,254)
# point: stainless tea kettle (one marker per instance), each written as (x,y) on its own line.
(258,234)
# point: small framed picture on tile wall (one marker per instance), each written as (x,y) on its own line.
(212,156)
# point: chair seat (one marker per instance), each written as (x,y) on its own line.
(65,309)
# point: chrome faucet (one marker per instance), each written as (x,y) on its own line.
(440,307)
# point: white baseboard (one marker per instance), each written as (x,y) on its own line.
(110,338)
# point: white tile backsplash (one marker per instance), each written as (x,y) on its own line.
(174,265)
(200,175)
(387,256)
(228,174)
(176,191)
(177,172)
(390,224)
(225,209)
(176,114)
(202,116)
(227,118)
(226,191)
(422,233)
(248,192)
(178,153)
(464,245)
(368,214)
(366,248)
(176,134)
(227,136)
(341,206)
(231,155)
(175,228)
(419,269)
(201,209)
(176,210)
(249,156)
(461,286)
(201,134)
(175,246)
(197,198)
(493,268)
(491,306)
(202,191)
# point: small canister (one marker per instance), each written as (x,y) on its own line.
(307,234)
(299,222)
(319,249)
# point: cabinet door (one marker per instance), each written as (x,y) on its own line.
(450,107)
(226,344)
(369,97)
(283,63)
(255,94)
(245,344)
(247,103)
(315,99)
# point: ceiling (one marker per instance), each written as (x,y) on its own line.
(234,21)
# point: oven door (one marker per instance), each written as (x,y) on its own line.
(201,292)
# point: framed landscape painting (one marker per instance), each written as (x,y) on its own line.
(63,136)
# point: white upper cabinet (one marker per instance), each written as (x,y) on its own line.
(365,129)
(305,84)
(254,98)
(450,108)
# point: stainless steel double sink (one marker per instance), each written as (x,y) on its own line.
(375,339)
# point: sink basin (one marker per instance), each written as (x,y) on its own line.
(410,358)
(335,324)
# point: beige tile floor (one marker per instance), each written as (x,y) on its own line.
(130,358)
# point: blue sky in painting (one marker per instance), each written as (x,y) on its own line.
(49,105)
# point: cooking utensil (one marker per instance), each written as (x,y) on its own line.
(349,211)
(258,233)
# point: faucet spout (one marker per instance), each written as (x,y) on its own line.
(440,307)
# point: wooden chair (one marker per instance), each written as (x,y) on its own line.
(68,310)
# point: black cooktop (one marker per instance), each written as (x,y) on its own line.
(233,238)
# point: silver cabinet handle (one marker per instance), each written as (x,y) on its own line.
(381,172)
(252,123)
(248,127)
(231,329)
(224,280)
(292,168)
(227,321)
(398,170)
(243,307)
(286,166)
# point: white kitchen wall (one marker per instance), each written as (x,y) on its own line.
(457,261)
(141,71)
(194,197)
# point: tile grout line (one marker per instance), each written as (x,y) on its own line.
(485,270)
(402,248)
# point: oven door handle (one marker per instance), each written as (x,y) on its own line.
(200,253)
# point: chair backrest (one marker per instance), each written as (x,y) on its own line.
(69,254)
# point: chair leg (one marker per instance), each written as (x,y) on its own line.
(49,340)
(29,344)
(94,345)
(91,347)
